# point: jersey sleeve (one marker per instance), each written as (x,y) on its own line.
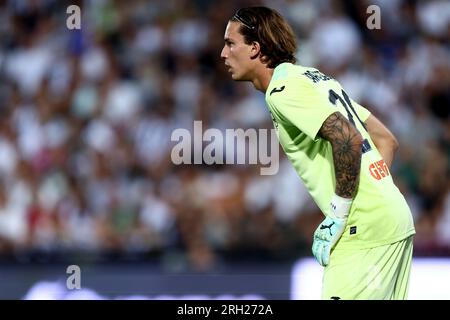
(300,104)
(362,112)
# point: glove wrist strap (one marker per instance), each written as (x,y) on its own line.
(340,207)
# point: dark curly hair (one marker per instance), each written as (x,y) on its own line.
(267,27)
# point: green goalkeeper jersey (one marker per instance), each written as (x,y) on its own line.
(300,99)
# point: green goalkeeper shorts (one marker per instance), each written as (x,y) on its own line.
(377,274)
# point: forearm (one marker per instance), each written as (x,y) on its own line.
(383,139)
(347,165)
(346,144)
(387,151)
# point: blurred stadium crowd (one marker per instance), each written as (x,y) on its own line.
(87,116)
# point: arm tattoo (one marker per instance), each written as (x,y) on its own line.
(346,143)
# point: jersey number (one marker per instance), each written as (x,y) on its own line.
(333,97)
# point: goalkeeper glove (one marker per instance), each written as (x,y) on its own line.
(331,229)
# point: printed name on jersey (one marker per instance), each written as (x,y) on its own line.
(379,170)
(316,76)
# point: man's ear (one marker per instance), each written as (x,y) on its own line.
(255,50)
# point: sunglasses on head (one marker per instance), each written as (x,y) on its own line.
(239,18)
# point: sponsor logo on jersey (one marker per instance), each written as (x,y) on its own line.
(379,170)
(275,90)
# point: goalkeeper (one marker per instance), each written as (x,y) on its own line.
(340,151)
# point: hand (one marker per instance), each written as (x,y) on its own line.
(331,229)
(325,237)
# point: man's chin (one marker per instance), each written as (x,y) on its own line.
(236,77)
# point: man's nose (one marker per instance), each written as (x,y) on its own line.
(223,54)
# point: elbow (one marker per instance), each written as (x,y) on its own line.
(394,144)
(388,143)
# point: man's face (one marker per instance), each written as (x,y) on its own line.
(236,53)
